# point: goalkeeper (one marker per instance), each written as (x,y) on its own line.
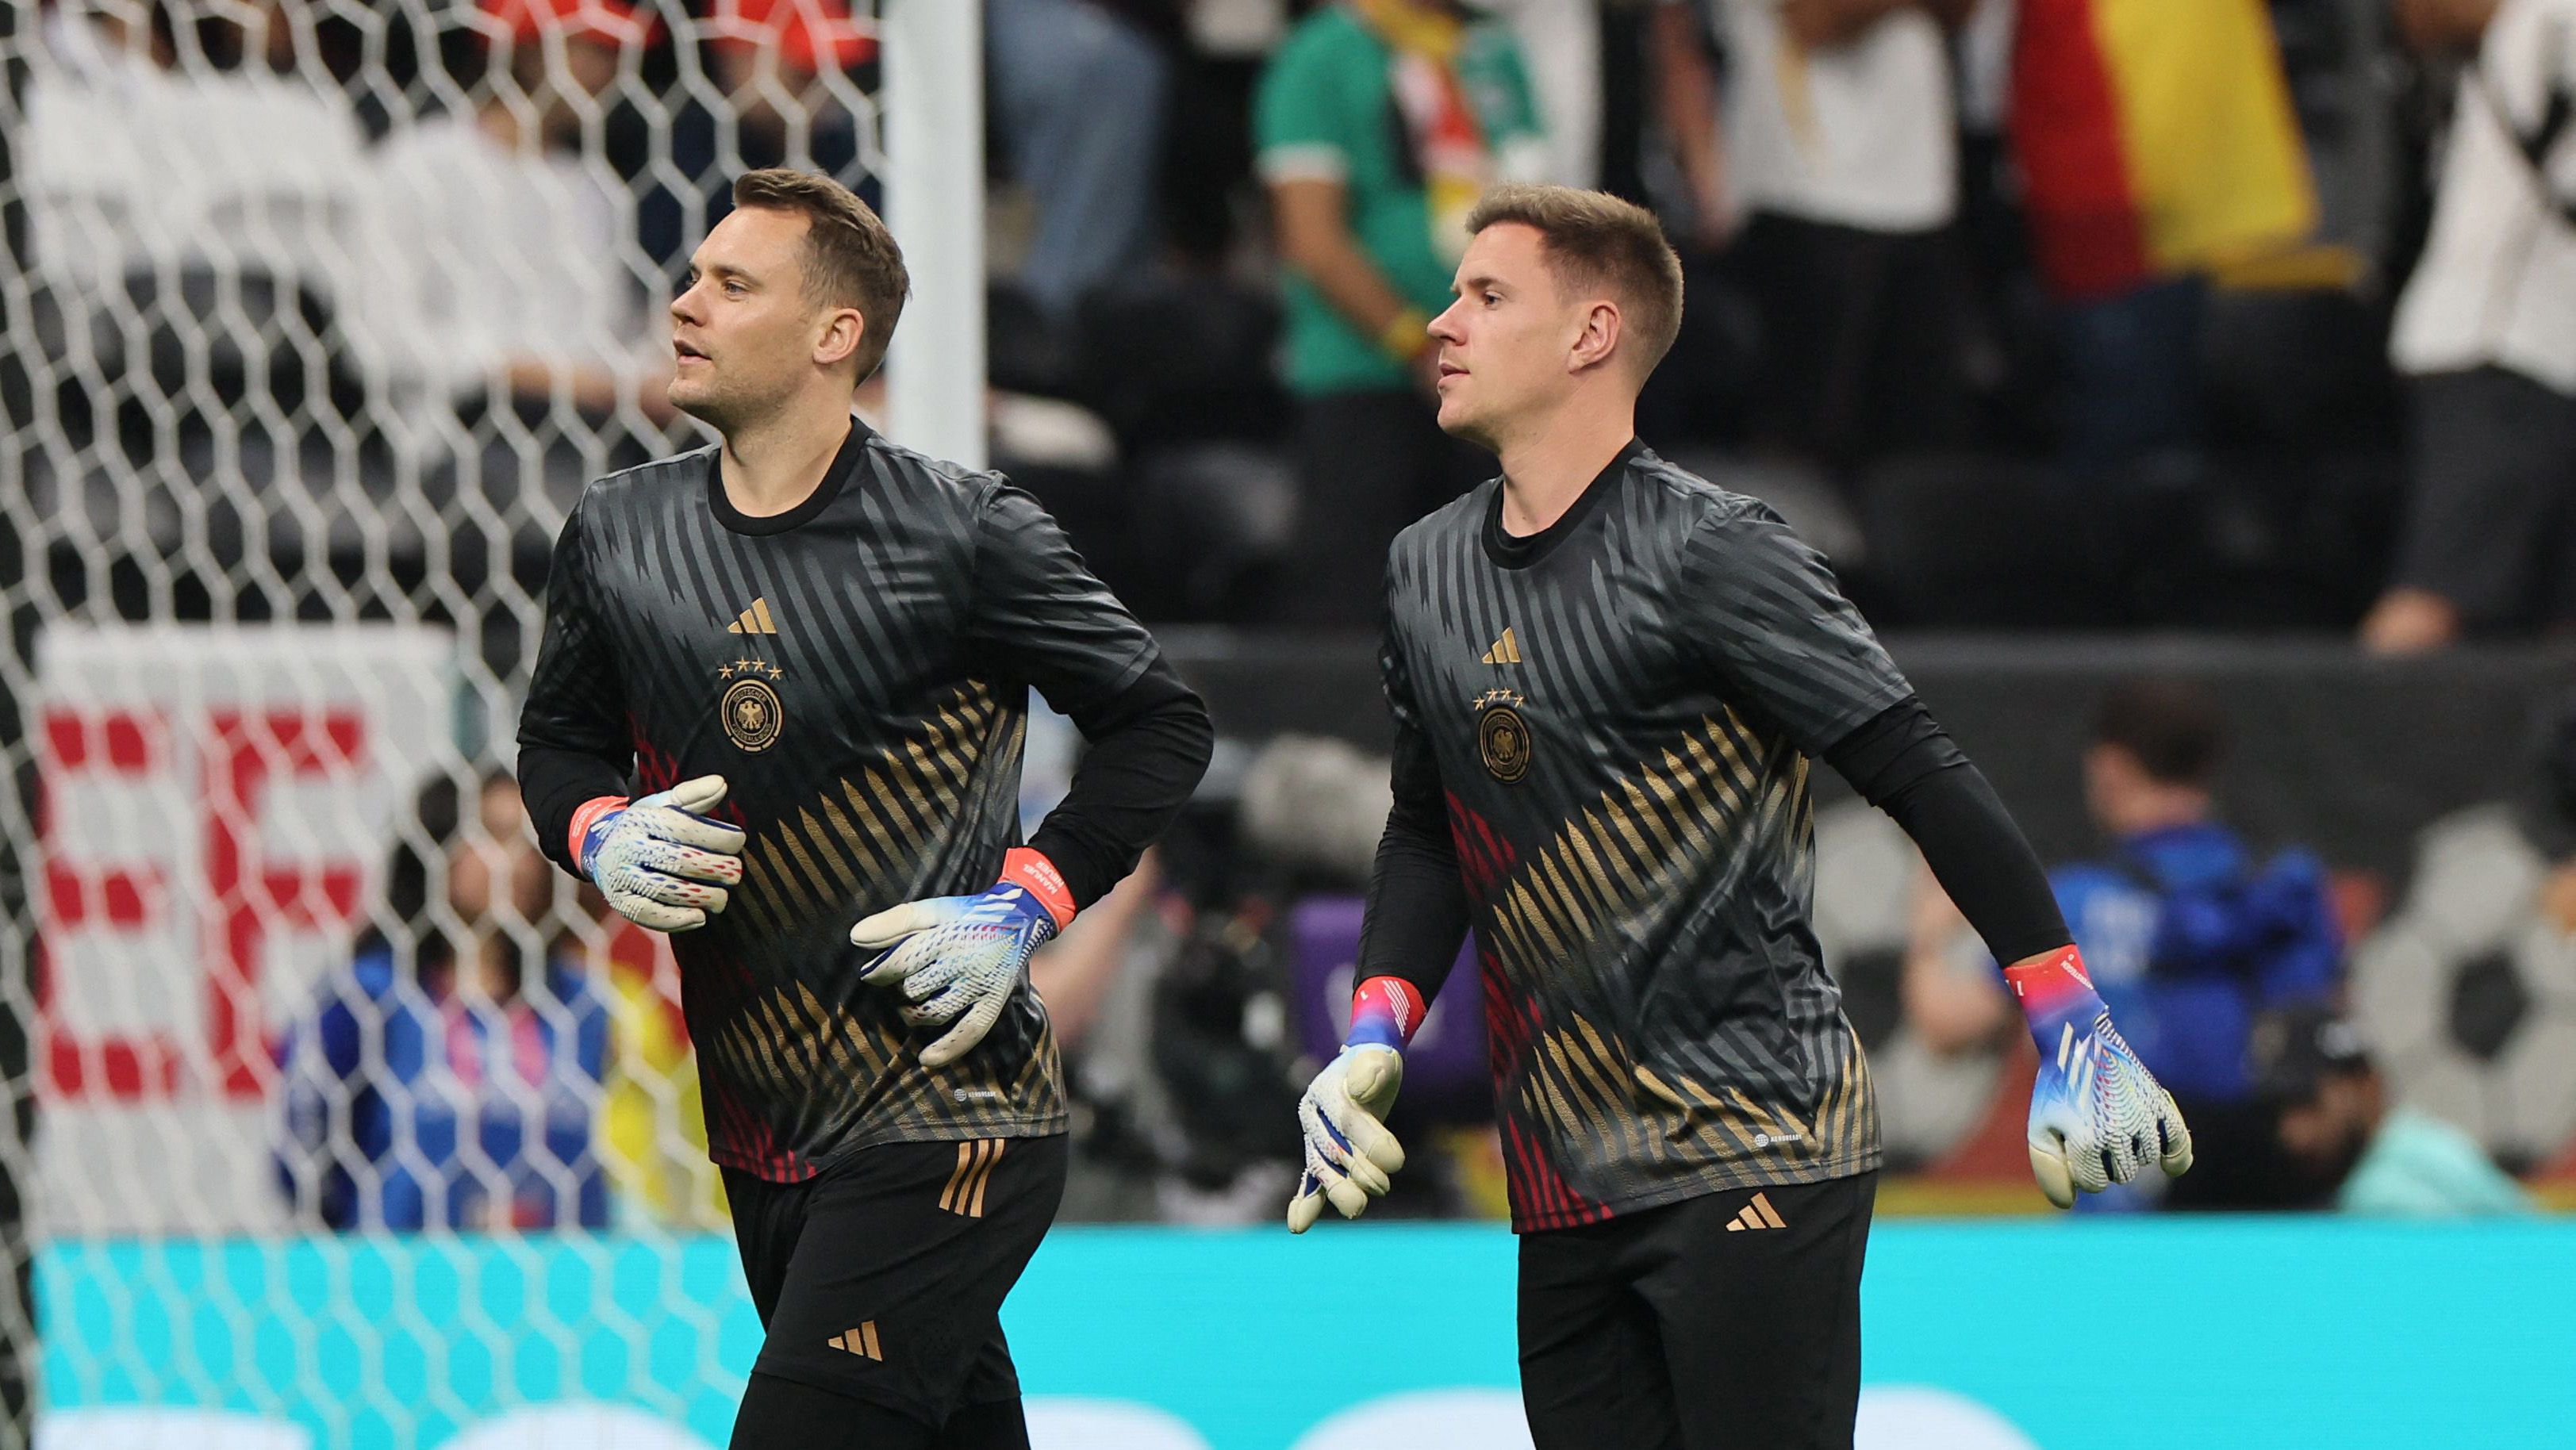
(809,652)
(1609,678)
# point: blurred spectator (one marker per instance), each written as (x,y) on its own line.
(1561,46)
(1081,88)
(2188,937)
(2335,1118)
(2155,143)
(1379,123)
(1839,182)
(1074,974)
(449,1075)
(2486,334)
(143,158)
(780,62)
(496,272)
(654,1126)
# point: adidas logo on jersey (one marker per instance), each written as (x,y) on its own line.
(1504,651)
(754,620)
(1758,1214)
(861,1341)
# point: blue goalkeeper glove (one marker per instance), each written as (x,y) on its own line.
(2097,1116)
(1350,1155)
(958,959)
(660,860)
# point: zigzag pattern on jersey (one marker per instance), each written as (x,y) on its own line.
(1643,839)
(794,1049)
(873,826)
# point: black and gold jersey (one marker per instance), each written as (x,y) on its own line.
(1623,712)
(857,669)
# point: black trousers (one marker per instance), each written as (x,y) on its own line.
(1726,1322)
(2491,522)
(882,1280)
(1863,338)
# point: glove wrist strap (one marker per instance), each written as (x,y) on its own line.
(2054,988)
(589,815)
(1386,1012)
(1033,873)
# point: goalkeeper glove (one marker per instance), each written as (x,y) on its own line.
(2097,1115)
(1349,1152)
(958,959)
(660,861)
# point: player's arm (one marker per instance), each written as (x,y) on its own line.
(1298,123)
(1041,618)
(1410,930)
(1777,627)
(660,861)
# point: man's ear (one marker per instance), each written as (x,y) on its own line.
(1599,338)
(843,330)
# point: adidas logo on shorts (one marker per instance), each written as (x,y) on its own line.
(861,1341)
(1758,1214)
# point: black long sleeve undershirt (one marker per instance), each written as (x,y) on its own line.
(554,783)
(1417,911)
(1899,761)
(1904,764)
(1149,744)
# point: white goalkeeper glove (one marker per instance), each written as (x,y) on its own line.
(1350,1155)
(660,860)
(958,959)
(2097,1116)
(1349,1152)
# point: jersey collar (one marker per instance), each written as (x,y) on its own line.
(736,521)
(1520,551)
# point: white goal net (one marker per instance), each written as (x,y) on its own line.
(354,1124)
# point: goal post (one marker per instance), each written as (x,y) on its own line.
(934,95)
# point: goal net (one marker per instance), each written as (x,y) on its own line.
(343,1120)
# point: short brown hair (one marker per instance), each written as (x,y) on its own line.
(850,258)
(2173,728)
(1593,239)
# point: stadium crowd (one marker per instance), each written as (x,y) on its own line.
(2227,315)
(2223,315)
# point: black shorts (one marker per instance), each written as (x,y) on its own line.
(883,1278)
(1727,1322)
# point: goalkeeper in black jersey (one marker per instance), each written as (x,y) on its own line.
(779,712)
(1609,679)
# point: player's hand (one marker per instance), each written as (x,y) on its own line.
(958,959)
(660,860)
(1349,1152)
(2097,1116)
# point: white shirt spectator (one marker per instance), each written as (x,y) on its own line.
(131,166)
(2496,286)
(1856,135)
(474,255)
(1560,44)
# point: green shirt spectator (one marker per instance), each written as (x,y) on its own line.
(1342,103)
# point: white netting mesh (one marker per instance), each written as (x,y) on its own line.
(325,309)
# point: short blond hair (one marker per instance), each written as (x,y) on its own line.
(1591,240)
(850,258)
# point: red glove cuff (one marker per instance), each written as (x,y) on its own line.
(1384,1008)
(1035,874)
(588,815)
(2050,984)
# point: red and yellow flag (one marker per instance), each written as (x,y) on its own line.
(2155,137)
